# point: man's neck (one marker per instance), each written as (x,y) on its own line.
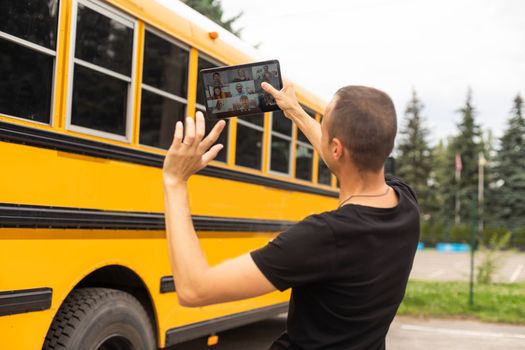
(355,183)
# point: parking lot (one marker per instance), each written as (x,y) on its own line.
(408,333)
(450,266)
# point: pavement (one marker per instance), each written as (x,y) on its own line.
(409,333)
(406,333)
(449,266)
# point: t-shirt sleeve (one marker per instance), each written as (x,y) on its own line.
(305,253)
(395,181)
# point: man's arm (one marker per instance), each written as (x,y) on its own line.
(287,101)
(197,283)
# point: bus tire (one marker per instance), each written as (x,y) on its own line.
(100,319)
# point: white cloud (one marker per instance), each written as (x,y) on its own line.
(437,47)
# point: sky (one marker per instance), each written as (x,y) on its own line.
(439,48)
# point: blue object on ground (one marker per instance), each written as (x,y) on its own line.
(420,246)
(453,247)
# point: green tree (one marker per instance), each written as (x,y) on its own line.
(414,161)
(441,178)
(213,10)
(508,190)
(468,144)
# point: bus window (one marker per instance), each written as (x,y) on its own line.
(303,161)
(304,153)
(102,70)
(164,90)
(223,139)
(324,176)
(281,141)
(203,64)
(28,32)
(248,152)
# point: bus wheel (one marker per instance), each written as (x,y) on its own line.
(100,319)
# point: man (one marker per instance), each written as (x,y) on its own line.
(241,76)
(348,267)
(217,81)
(244,103)
(239,90)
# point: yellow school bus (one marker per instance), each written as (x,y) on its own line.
(90,91)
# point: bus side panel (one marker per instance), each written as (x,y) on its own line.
(59,259)
(55,178)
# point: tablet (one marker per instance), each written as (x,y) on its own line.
(234,91)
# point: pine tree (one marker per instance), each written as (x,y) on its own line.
(440,178)
(468,144)
(213,10)
(414,162)
(508,191)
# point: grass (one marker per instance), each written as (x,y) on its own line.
(492,303)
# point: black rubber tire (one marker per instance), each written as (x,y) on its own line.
(90,316)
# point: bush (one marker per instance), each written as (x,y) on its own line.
(518,237)
(460,233)
(436,230)
(492,231)
(433,232)
(492,256)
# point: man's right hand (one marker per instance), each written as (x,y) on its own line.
(287,101)
(285,98)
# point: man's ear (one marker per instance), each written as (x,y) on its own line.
(337,148)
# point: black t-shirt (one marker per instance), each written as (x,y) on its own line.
(348,269)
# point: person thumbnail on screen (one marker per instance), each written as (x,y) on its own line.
(222,106)
(217,79)
(245,103)
(244,88)
(217,92)
(266,101)
(265,72)
(240,75)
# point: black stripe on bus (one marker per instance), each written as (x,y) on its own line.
(25,300)
(66,143)
(181,334)
(15,215)
(167,284)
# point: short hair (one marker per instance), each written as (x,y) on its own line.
(364,119)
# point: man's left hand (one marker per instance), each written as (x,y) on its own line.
(190,150)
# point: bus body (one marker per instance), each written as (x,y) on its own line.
(85,121)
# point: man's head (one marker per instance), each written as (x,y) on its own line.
(216,77)
(359,126)
(238,87)
(245,102)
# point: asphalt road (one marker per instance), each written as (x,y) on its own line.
(448,266)
(406,333)
(257,336)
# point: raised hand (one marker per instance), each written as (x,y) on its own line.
(285,98)
(190,151)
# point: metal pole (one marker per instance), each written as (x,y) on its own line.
(472,248)
(481,185)
(457,219)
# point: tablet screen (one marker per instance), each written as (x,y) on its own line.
(236,90)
